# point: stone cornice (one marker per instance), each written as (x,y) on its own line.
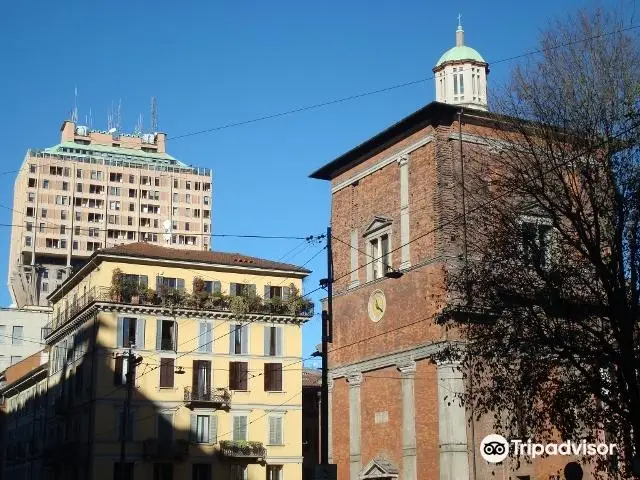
(397,359)
(396,157)
(165,311)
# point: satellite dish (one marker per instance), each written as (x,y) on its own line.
(167,230)
(112,130)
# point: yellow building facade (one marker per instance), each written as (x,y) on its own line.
(217,345)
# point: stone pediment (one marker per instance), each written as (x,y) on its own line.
(378,223)
(379,469)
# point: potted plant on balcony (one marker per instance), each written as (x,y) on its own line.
(239,305)
(276,305)
(217,301)
(115,291)
(200,294)
(296,303)
(129,290)
(147,296)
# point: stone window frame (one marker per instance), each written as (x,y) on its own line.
(379,227)
(537,220)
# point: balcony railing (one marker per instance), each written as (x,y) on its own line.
(154,449)
(302,307)
(243,450)
(219,397)
(167,344)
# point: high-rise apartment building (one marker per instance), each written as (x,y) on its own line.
(98,189)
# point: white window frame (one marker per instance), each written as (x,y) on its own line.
(206,437)
(281,416)
(369,238)
(281,471)
(537,221)
(233,417)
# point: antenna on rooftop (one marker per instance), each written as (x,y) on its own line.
(137,131)
(90,119)
(110,117)
(117,123)
(154,115)
(74,113)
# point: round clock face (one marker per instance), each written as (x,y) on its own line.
(377,305)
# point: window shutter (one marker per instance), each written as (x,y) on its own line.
(232,289)
(194,378)
(252,289)
(167,369)
(193,428)
(140,333)
(232,338)
(175,336)
(213,429)
(236,429)
(202,338)
(286,292)
(278,425)
(117,371)
(267,340)
(217,287)
(209,337)
(120,329)
(275,430)
(163,372)
(232,375)
(158,334)
(276,375)
(243,375)
(279,343)
(244,339)
(267,377)
(158,284)
(267,292)
(180,284)
(144,281)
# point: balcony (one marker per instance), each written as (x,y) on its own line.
(154,449)
(218,397)
(243,450)
(296,306)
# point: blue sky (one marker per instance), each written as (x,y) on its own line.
(211,63)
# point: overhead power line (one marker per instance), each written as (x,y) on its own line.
(386,89)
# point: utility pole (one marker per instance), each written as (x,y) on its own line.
(326,471)
(130,379)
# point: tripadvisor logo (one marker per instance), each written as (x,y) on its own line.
(495,448)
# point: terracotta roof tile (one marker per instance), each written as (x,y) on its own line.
(148,250)
(311,377)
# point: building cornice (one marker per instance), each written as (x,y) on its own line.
(173,312)
(398,359)
(388,160)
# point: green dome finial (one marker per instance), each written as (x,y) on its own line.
(460,51)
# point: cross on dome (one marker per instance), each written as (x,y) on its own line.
(461,75)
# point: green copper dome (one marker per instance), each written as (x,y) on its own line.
(461,52)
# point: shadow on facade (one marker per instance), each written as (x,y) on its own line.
(73,429)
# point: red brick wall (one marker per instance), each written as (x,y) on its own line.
(340,427)
(412,302)
(380,392)
(426,404)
